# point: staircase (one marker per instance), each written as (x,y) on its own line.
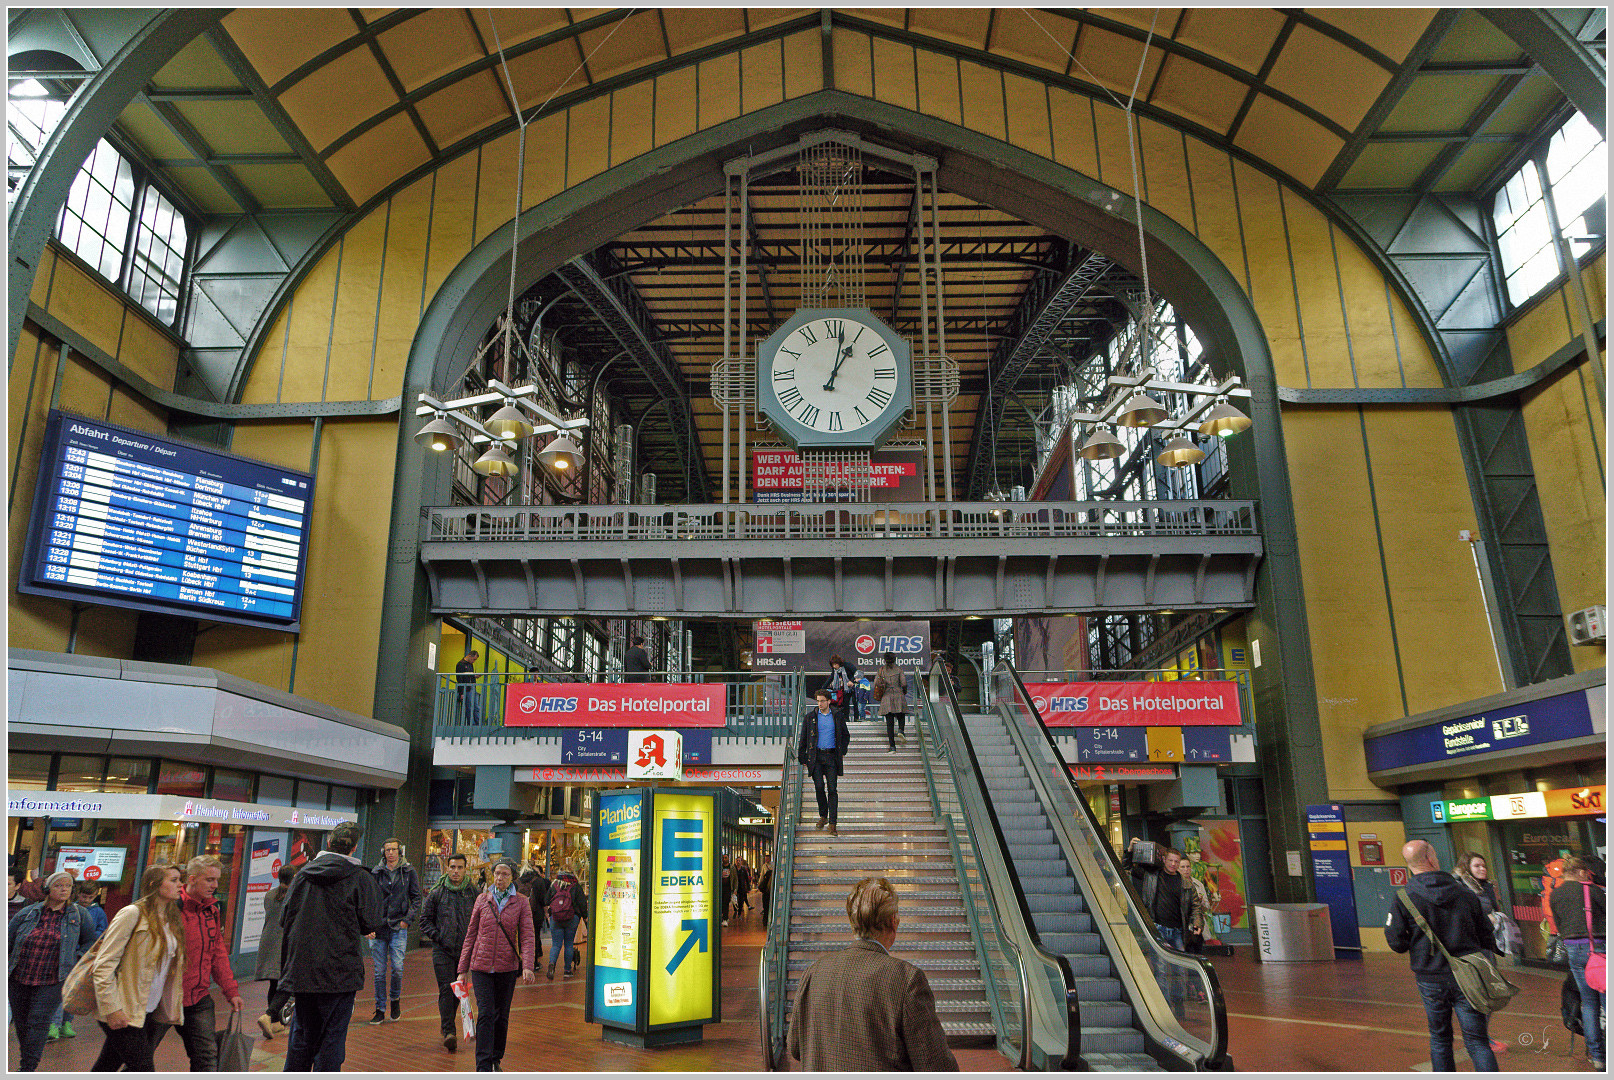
(888,829)
(1111,1039)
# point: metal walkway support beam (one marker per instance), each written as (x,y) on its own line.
(1572,65)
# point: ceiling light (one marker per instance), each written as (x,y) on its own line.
(1180,452)
(562,455)
(1141,410)
(510,422)
(1223,420)
(439,435)
(1101,446)
(496,462)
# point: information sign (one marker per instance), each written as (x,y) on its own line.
(1331,867)
(129,519)
(614,929)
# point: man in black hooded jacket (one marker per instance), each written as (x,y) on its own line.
(1453,912)
(328,909)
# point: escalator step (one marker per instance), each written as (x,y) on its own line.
(1074,944)
(1111,1040)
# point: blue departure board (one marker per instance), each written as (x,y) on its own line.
(133,520)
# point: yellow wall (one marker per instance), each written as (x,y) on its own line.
(1568,432)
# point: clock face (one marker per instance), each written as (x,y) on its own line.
(835,377)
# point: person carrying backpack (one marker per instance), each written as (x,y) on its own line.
(565,907)
(891,688)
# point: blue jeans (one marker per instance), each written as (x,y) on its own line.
(31,1010)
(1591,1001)
(388,944)
(1171,975)
(319,1032)
(1439,1000)
(470,705)
(560,939)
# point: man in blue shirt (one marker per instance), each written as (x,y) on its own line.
(821,747)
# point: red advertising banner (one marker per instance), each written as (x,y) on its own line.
(629,705)
(1186,703)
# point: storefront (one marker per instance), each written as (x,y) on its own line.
(1518,779)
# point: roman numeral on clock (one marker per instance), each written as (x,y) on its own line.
(834,327)
(784,374)
(880,398)
(790,397)
(860,417)
(808,415)
(885,373)
(877,350)
(807,332)
(835,422)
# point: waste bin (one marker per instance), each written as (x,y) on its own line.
(1293,933)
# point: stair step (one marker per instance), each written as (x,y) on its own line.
(927,964)
(810,911)
(916,945)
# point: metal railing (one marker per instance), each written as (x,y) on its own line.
(1158,979)
(810,521)
(773,962)
(755,706)
(1036,1019)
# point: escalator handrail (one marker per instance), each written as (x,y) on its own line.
(776,945)
(1216,1059)
(941,689)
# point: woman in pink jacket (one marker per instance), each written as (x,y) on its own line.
(499,942)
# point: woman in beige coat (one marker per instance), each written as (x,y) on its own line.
(139,974)
(893,701)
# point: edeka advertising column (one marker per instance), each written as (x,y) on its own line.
(1331,866)
(614,983)
(654,977)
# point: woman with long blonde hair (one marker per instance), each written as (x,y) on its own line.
(139,974)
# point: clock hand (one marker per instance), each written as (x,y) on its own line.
(846,350)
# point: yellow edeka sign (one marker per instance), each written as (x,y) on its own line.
(683,938)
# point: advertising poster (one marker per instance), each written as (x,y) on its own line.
(614,929)
(102,865)
(627,705)
(1218,858)
(1137,704)
(683,933)
(263,874)
(897,476)
(1331,866)
(808,646)
(1051,645)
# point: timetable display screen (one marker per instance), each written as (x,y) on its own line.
(129,519)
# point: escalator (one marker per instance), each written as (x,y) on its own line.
(1142,1005)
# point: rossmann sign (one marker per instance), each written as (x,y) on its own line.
(1137,704)
(630,705)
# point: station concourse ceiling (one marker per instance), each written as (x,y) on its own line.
(329,109)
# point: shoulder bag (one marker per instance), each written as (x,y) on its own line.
(1596,962)
(1476,973)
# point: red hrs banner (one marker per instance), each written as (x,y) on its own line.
(629,705)
(1137,704)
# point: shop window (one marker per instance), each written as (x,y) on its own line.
(181,778)
(80,772)
(128,774)
(345,798)
(104,833)
(232,785)
(275,790)
(312,795)
(28,772)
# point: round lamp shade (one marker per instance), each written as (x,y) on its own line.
(1180,452)
(1223,420)
(562,455)
(496,462)
(509,423)
(1101,446)
(439,435)
(1141,410)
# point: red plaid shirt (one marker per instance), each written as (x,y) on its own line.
(39,955)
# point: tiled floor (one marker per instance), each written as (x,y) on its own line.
(1349,1016)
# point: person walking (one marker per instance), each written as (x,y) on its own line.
(636,662)
(765,886)
(540,913)
(400,900)
(566,904)
(207,960)
(61,1025)
(139,974)
(16,899)
(333,901)
(1453,913)
(1171,903)
(46,939)
(470,700)
(1580,909)
(1199,917)
(862,1009)
(742,888)
(842,686)
(499,947)
(728,876)
(275,1012)
(822,747)
(443,919)
(891,687)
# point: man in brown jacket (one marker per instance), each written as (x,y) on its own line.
(862,1009)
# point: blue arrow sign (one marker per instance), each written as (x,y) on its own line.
(697,932)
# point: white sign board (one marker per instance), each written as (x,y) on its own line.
(101,865)
(655,755)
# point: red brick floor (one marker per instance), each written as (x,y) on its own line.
(1349,1016)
